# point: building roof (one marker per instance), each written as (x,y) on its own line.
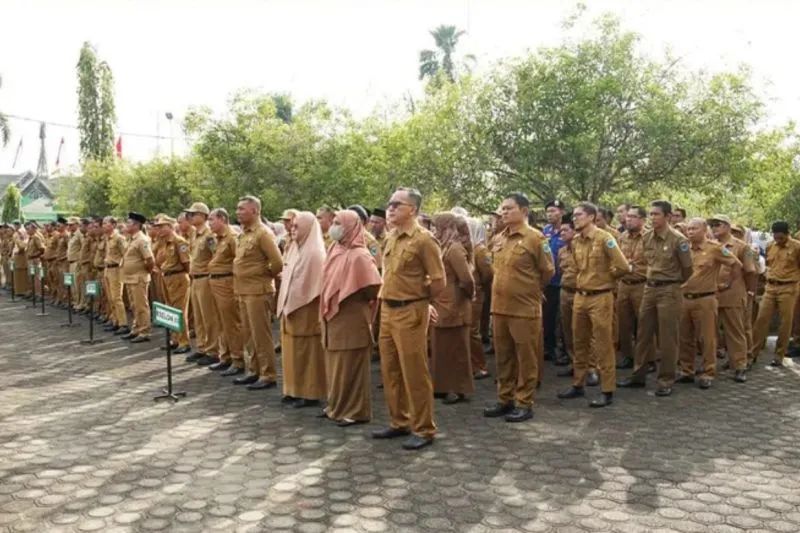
(25,182)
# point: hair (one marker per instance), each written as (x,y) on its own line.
(626,205)
(680,210)
(251,200)
(414,195)
(566,220)
(220,212)
(182,216)
(663,205)
(588,207)
(327,209)
(110,220)
(780,226)
(521,199)
(641,211)
(607,213)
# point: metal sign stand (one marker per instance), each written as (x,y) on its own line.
(41,285)
(168,392)
(13,296)
(91,296)
(170,319)
(68,281)
(32,272)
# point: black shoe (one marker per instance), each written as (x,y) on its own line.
(111,328)
(415,442)
(651,367)
(549,356)
(481,374)
(592,379)
(565,373)
(262,384)
(685,378)
(128,336)
(140,339)
(630,383)
(194,356)
(664,391)
(740,376)
(246,379)
(498,409)
(519,414)
(220,366)
(172,346)
(207,360)
(570,393)
(390,433)
(704,383)
(776,363)
(626,362)
(453,398)
(124,330)
(489,350)
(605,399)
(232,371)
(182,349)
(278,348)
(302,402)
(561,360)
(794,351)
(289,399)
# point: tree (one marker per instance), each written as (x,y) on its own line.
(96,110)
(12,199)
(434,64)
(5,129)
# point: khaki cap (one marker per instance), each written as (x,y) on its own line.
(289,214)
(73,220)
(198,207)
(720,218)
(737,228)
(162,220)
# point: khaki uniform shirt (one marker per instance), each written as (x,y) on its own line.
(99,259)
(569,270)
(35,247)
(707,258)
(87,250)
(599,260)
(736,295)
(134,268)
(667,254)
(411,260)
(115,249)
(632,246)
(258,260)
(63,247)
(202,250)
(176,254)
(224,250)
(453,303)
(483,267)
(74,246)
(374,248)
(783,262)
(523,265)
(51,243)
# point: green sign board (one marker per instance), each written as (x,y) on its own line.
(167,317)
(69,279)
(31,270)
(41,272)
(92,288)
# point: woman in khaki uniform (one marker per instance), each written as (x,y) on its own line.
(22,284)
(482,274)
(450,361)
(350,286)
(304,382)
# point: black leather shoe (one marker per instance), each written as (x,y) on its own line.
(289,399)
(302,402)
(498,409)
(111,328)
(570,393)
(519,414)
(390,433)
(232,371)
(124,330)
(561,360)
(685,378)
(140,339)
(415,442)
(664,391)
(207,360)
(246,379)
(194,357)
(626,362)
(651,367)
(565,373)
(182,349)
(740,376)
(592,379)
(549,356)
(220,366)
(172,346)
(630,383)
(704,383)
(776,363)
(606,398)
(128,336)
(262,384)
(453,398)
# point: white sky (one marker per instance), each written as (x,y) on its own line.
(168,55)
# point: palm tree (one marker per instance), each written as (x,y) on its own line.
(440,60)
(5,130)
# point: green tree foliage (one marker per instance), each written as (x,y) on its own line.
(96,111)
(439,64)
(12,199)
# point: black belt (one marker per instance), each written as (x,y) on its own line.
(394,304)
(638,282)
(113,265)
(696,295)
(657,283)
(173,272)
(217,276)
(101,268)
(198,276)
(780,282)
(586,292)
(571,290)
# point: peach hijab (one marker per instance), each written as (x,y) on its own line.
(349,266)
(301,280)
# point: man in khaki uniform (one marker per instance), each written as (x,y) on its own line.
(22,284)
(207,328)
(669,264)
(698,323)
(48,261)
(137,264)
(6,249)
(220,281)
(85,263)
(523,265)
(115,252)
(99,264)
(569,280)
(258,261)
(631,286)
(34,251)
(599,264)
(783,276)
(61,263)
(413,275)
(174,267)
(732,293)
(74,257)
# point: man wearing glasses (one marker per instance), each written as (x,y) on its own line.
(413,274)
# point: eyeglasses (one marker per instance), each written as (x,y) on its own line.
(395,205)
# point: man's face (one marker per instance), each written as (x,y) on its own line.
(512,213)
(217,224)
(581,219)
(676,217)
(622,214)
(566,232)
(554,214)
(633,222)
(325,219)
(184,224)
(196,219)
(287,224)
(73,228)
(696,231)
(400,209)
(245,212)
(780,238)
(165,230)
(376,225)
(720,230)
(657,217)
(108,228)
(132,227)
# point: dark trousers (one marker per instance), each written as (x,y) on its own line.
(550,318)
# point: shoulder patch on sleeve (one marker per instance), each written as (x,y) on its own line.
(725,251)
(684,246)
(184,248)
(546,246)
(611,243)
(373,250)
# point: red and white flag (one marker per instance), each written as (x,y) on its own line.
(119,147)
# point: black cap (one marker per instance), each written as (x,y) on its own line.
(780,226)
(554,203)
(566,218)
(61,220)
(379,212)
(137,217)
(363,214)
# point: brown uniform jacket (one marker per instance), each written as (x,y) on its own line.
(667,253)
(62,247)
(453,303)
(632,246)
(51,243)
(736,293)
(483,268)
(224,249)
(176,255)
(35,246)
(87,250)
(257,261)
(783,262)
(523,265)
(411,260)
(74,246)
(202,250)
(599,260)
(134,267)
(569,270)
(115,249)
(707,259)
(99,260)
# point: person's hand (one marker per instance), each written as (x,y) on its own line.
(434,314)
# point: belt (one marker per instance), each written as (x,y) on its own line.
(217,276)
(198,276)
(696,295)
(571,290)
(585,292)
(657,283)
(113,265)
(394,304)
(101,268)
(173,272)
(780,282)
(637,282)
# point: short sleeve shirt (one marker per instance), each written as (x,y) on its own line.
(707,258)
(258,260)
(783,262)
(737,293)
(598,259)
(115,249)
(134,267)
(202,250)
(224,249)
(667,253)
(632,246)
(410,261)
(176,254)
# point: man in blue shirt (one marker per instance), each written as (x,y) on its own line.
(554,210)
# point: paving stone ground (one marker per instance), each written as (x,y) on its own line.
(83,447)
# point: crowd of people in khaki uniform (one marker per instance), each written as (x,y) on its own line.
(659,291)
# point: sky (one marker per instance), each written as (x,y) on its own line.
(170,55)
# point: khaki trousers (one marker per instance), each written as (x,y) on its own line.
(77,283)
(176,289)
(86,275)
(660,312)
(629,301)
(699,325)
(519,355)
(734,333)
(592,333)
(6,272)
(566,302)
(141,307)
(113,279)
(407,382)
(256,312)
(230,320)
(781,298)
(207,327)
(477,358)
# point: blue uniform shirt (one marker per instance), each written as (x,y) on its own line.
(556,244)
